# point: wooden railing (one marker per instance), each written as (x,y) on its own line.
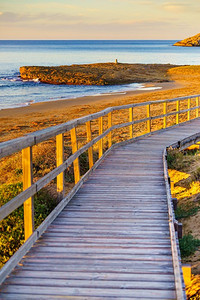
(26,143)
(173,223)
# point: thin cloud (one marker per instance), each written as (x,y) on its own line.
(174,7)
(9,17)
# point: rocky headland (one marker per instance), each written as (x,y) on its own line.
(98,74)
(193,41)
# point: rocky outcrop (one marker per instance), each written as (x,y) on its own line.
(193,41)
(98,74)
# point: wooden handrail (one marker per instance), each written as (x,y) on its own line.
(180,294)
(15,145)
(25,144)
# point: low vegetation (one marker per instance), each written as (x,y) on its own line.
(188,245)
(185,173)
(12,232)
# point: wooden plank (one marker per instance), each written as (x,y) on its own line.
(93,283)
(148,116)
(100,292)
(131,120)
(99,275)
(189,106)
(27,167)
(165,112)
(60,161)
(123,253)
(101,266)
(177,110)
(197,105)
(109,127)
(101,140)
(89,138)
(76,161)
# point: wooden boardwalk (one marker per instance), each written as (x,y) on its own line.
(112,241)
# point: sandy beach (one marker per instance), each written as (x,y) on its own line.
(16,122)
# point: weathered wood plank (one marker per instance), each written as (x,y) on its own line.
(60,161)
(76,161)
(92,283)
(100,292)
(27,167)
(99,275)
(89,138)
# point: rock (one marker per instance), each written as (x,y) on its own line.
(193,41)
(97,74)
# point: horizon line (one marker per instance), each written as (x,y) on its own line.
(89,39)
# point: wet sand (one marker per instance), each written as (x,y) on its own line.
(52,106)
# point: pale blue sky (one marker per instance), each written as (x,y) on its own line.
(102,19)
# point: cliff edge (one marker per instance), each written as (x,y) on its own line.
(193,41)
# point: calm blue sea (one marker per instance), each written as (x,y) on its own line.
(15,93)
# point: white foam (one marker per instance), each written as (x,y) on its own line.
(150,88)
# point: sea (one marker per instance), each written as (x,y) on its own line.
(15,92)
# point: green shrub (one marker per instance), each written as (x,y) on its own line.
(180,160)
(12,227)
(188,245)
(173,157)
(183,212)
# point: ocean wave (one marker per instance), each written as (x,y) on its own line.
(16,105)
(150,88)
(109,94)
(31,80)
(17,78)
(11,78)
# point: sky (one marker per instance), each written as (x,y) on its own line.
(99,19)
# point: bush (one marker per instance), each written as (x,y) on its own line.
(180,160)
(12,227)
(185,212)
(188,245)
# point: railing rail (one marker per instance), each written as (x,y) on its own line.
(26,143)
(15,145)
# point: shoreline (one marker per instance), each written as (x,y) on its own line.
(55,105)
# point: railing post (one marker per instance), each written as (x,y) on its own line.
(101,140)
(197,104)
(188,113)
(177,110)
(27,166)
(187,274)
(74,149)
(148,116)
(164,113)
(109,126)
(59,161)
(89,138)
(131,120)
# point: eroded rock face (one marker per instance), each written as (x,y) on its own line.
(193,41)
(98,74)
